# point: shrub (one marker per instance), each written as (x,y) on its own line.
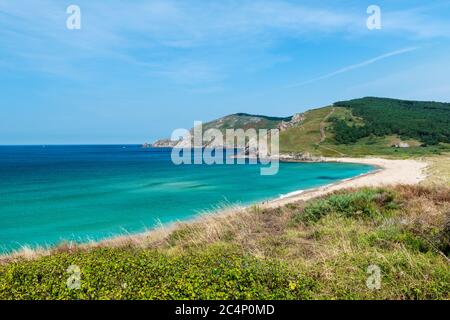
(216,272)
(362,203)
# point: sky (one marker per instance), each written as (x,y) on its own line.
(137,70)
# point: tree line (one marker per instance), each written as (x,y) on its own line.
(426,121)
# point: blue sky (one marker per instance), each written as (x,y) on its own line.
(139,69)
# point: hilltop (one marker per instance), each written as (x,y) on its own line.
(366,126)
(242,121)
(246,121)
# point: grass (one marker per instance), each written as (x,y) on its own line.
(378,146)
(306,138)
(364,203)
(320,249)
(438,170)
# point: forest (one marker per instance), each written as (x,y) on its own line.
(428,122)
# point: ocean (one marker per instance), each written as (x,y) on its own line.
(50,194)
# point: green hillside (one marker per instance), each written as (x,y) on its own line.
(359,127)
(307,135)
(372,126)
(428,122)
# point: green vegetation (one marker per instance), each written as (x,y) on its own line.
(366,203)
(277,119)
(244,121)
(372,126)
(428,122)
(320,249)
(378,146)
(218,272)
(359,127)
(305,137)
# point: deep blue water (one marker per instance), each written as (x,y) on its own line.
(55,193)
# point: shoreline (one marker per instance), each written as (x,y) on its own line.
(387,172)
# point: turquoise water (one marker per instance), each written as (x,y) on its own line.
(55,193)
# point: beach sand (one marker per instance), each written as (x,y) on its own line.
(389,172)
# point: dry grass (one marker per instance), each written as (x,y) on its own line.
(438,170)
(209,226)
(268,231)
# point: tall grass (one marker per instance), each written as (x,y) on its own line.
(320,249)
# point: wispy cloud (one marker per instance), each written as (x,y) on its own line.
(157,36)
(354,66)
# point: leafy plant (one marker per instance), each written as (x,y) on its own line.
(363,203)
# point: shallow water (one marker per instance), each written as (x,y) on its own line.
(55,193)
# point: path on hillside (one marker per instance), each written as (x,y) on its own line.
(334,150)
(323,135)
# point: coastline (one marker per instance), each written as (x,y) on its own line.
(388,172)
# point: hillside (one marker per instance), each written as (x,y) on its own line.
(240,121)
(245,121)
(367,126)
(428,122)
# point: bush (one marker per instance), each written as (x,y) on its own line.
(362,203)
(217,272)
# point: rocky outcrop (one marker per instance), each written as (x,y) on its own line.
(301,156)
(164,143)
(296,119)
(401,145)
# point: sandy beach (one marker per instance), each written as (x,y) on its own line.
(389,172)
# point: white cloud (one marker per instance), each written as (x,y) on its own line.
(158,35)
(354,66)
